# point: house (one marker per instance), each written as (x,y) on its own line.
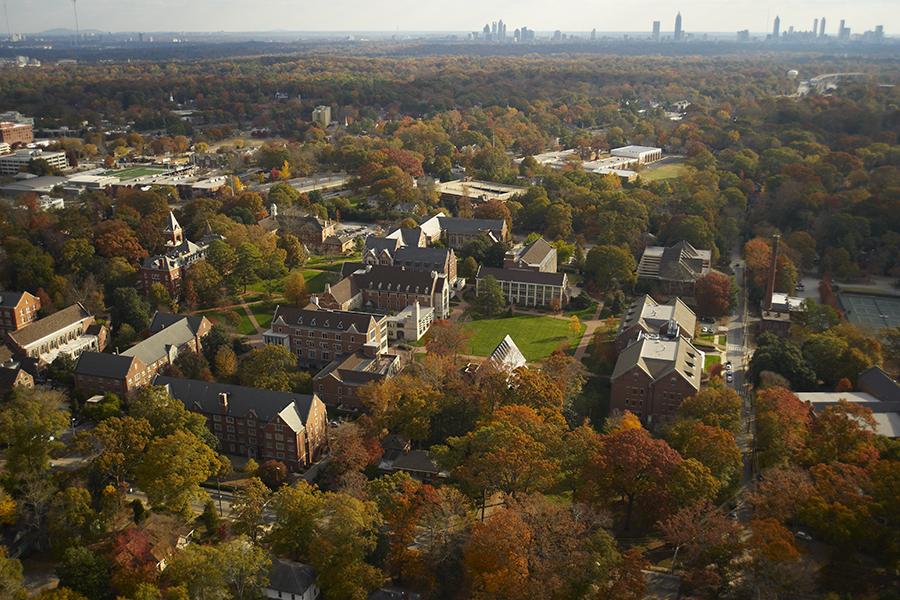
(317,336)
(13,377)
(170,268)
(457,232)
(646,315)
(536,256)
(135,368)
(416,463)
(411,323)
(673,270)
(388,289)
(150,544)
(527,288)
(67,332)
(339,382)
(256,423)
(439,260)
(17,309)
(653,375)
(290,580)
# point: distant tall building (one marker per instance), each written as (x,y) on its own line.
(656,29)
(843,31)
(679,33)
(815,26)
(776,28)
(822,28)
(322,116)
(594,34)
(743,35)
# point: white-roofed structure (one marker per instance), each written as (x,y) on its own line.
(643,154)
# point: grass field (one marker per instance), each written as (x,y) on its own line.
(263,313)
(243,326)
(668,171)
(135,172)
(315,282)
(537,337)
(712,359)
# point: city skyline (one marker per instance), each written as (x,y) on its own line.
(405,15)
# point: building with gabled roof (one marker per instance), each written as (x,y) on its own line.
(414,258)
(653,375)
(68,332)
(387,289)
(256,423)
(536,256)
(17,309)
(12,377)
(291,580)
(339,382)
(457,231)
(170,268)
(527,288)
(673,270)
(317,336)
(646,315)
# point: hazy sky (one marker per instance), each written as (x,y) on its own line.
(456,15)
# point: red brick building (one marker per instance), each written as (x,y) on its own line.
(258,424)
(17,309)
(16,133)
(338,383)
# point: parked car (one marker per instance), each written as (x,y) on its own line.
(802,535)
(729,377)
(800,286)
(728,367)
(707,320)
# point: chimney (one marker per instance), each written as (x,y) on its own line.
(223,401)
(776,239)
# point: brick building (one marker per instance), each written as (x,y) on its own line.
(457,232)
(259,424)
(413,258)
(317,336)
(338,383)
(16,133)
(17,309)
(170,268)
(537,256)
(647,316)
(68,332)
(389,290)
(653,375)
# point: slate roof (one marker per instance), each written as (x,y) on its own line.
(10,298)
(522,276)
(416,461)
(108,366)
(8,378)
(660,357)
(460,225)
(49,325)
(435,256)
(290,577)
(157,345)
(395,278)
(382,243)
(879,384)
(267,405)
(162,320)
(340,320)
(536,252)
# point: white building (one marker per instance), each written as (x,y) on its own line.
(411,323)
(13,163)
(322,116)
(643,154)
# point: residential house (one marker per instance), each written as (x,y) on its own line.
(416,463)
(290,580)
(317,336)
(256,423)
(653,375)
(338,383)
(527,288)
(17,309)
(150,544)
(673,270)
(536,256)
(68,332)
(647,316)
(388,289)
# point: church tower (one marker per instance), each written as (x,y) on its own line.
(173,232)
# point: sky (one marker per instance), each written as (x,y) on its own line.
(29,16)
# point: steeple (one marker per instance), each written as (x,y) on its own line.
(173,232)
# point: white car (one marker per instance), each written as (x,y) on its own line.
(729,377)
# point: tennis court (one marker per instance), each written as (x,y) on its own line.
(871,312)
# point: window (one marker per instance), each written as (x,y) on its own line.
(229,419)
(230,429)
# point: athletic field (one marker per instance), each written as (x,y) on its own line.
(135,172)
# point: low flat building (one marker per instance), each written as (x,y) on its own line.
(477,191)
(259,424)
(17,309)
(673,270)
(643,154)
(527,288)
(647,316)
(26,183)
(339,382)
(16,133)
(653,375)
(317,336)
(885,413)
(18,161)
(536,256)
(68,332)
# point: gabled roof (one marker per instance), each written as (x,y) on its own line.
(680,262)
(8,378)
(49,325)
(108,366)
(652,316)
(382,243)
(290,577)
(536,252)
(523,276)
(660,357)
(204,396)
(471,226)
(157,345)
(162,320)
(11,298)
(338,320)
(434,256)
(397,279)
(416,461)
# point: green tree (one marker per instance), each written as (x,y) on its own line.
(30,426)
(85,572)
(225,363)
(295,289)
(206,282)
(173,469)
(610,267)
(129,307)
(270,368)
(490,299)
(168,415)
(247,266)
(222,257)
(468,268)
(71,519)
(247,508)
(11,577)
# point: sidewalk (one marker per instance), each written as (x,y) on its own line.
(589,330)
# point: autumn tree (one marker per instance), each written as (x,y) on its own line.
(295,289)
(716,405)
(782,422)
(843,432)
(30,426)
(247,508)
(447,338)
(714,294)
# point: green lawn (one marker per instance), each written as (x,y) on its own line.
(263,313)
(669,171)
(331,262)
(537,337)
(315,283)
(244,326)
(135,172)
(712,359)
